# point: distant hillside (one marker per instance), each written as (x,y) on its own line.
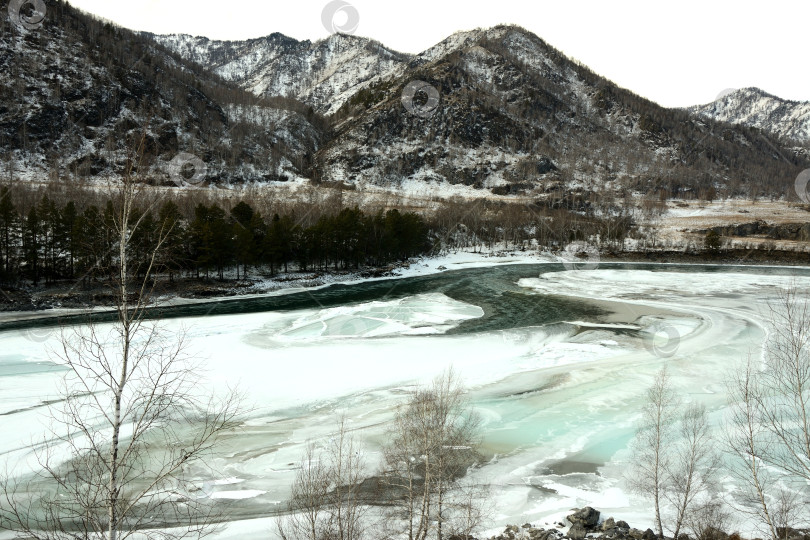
(324,74)
(753,107)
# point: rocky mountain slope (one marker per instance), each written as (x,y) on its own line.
(502,110)
(497,110)
(324,74)
(756,108)
(489,111)
(78,95)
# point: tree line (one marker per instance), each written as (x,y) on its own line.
(50,242)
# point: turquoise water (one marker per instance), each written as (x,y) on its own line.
(558,398)
(506,305)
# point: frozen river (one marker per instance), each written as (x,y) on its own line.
(556,362)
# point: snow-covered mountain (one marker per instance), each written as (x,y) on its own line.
(78,95)
(511,114)
(323,74)
(754,107)
(495,111)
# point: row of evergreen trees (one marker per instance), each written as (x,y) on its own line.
(53,242)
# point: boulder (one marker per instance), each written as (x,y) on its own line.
(577,532)
(608,524)
(714,533)
(587,517)
(648,535)
(622,524)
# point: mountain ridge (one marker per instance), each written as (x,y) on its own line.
(485,111)
(751,106)
(507,89)
(792,124)
(277,65)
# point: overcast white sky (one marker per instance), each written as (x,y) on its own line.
(676,53)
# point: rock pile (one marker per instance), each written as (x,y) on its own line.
(585,524)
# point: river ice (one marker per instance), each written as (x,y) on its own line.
(558,402)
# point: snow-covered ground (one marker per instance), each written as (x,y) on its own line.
(680,224)
(697,214)
(558,402)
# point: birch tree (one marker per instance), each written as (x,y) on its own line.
(693,466)
(131,428)
(746,442)
(432,443)
(345,473)
(769,429)
(651,448)
(325,498)
(308,495)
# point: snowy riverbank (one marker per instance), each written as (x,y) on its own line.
(52,302)
(296,282)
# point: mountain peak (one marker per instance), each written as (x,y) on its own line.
(755,92)
(754,107)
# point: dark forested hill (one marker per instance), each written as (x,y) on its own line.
(77,93)
(486,111)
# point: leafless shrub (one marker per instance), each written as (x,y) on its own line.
(708,520)
(325,498)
